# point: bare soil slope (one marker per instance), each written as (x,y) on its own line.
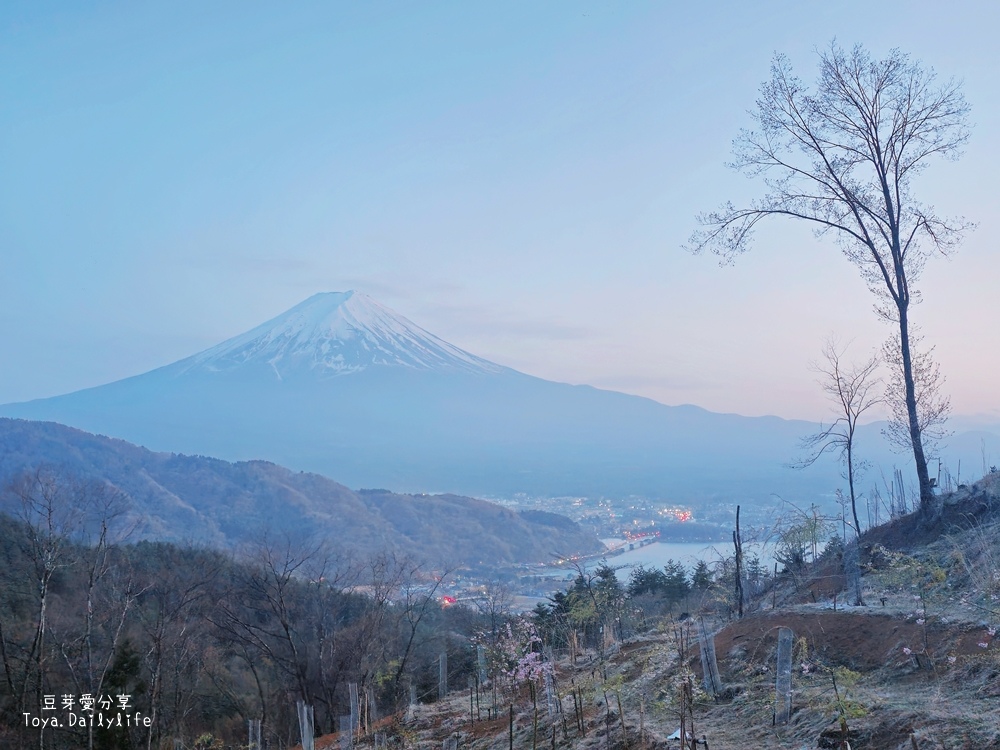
(917,666)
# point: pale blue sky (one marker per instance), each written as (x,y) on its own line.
(515,177)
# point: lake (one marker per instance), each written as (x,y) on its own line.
(657,554)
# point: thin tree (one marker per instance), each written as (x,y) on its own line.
(108,590)
(176,609)
(738,559)
(933,406)
(267,609)
(843,157)
(854,390)
(43,502)
(494,603)
(417,600)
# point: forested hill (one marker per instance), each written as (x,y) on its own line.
(198,641)
(206,501)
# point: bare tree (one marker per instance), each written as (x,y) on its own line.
(933,407)
(417,595)
(108,591)
(172,622)
(43,502)
(69,528)
(854,390)
(494,603)
(843,158)
(267,611)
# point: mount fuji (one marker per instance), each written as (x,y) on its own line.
(341,385)
(337,333)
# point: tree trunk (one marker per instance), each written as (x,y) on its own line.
(738,545)
(928,501)
(850,482)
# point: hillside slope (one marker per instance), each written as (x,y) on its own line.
(917,665)
(208,501)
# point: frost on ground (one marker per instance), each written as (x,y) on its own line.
(916,666)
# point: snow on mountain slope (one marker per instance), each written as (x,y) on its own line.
(335,333)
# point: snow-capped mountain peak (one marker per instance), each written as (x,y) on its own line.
(336,333)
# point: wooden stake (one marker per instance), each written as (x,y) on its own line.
(562,715)
(774,588)
(621,718)
(642,725)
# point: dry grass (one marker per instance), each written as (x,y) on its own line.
(921,663)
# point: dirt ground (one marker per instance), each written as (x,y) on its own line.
(860,640)
(916,669)
(945,694)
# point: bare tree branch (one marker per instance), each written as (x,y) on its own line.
(853,389)
(842,157)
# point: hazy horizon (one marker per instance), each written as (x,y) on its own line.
(517,179)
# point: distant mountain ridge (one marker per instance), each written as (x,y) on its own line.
(206,501)
(342,386)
